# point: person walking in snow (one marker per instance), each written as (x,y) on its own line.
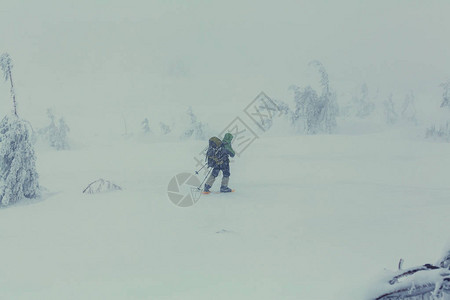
(217,156)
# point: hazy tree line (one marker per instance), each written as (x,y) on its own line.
(318,111)
(314,111)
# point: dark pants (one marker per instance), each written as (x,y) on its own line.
(224,167)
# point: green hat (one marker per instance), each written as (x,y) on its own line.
(228,137)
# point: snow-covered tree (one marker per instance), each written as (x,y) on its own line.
(146,126)
(56,132)
(283,107)
(408,109)
(165,129)
(196,129)
(363,106)
(299,108)
(312,110)
(328,103)
(390,114)
(18,176)
(318,111)
(442,131)
(63,130)
(445,94)
(284,111)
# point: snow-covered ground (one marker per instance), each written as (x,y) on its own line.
(313,217)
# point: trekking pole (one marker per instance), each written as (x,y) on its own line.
(204,179)
(196,172)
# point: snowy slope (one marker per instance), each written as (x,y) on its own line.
(314,217)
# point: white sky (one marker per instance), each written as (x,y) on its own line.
(73,53)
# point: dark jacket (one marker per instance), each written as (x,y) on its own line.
(219,157)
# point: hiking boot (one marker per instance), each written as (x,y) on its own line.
(225,189)
(206,189)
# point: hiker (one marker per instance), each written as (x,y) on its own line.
(217,156)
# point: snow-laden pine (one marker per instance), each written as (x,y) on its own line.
(18,176)
(317,110)
(145,125)
(55,134)
(390,113)
(196,129)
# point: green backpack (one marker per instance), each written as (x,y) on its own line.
(214,148)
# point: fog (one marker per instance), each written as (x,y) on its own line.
(75,55)
(359,182)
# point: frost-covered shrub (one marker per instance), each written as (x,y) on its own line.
(196,129)
(317,111)
(442,132)
(425,282)
(101,186)
(55,134)
(18,176)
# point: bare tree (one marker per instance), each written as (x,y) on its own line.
(6,65)
(146,126)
